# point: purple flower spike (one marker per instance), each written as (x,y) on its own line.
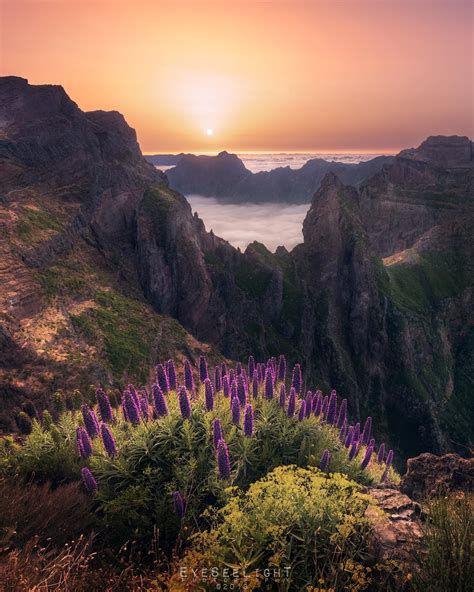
(268,388)
(108,440)
(323,465)
(144,406)
(184,405)
(324,406)
(356,432)
(367,457)
(83,443)
(388,462)
(255,384)
(134,393)
(171,375)
(342,417)
(217,379)
(343,431)
(91,422)
(238,369)
(223,369)
(131,409)
(281,372)
(159,401)
(248,420)
(162,378)
(223,462)
(88,479)
(332,405)
(208,395)
(233,390)
(105,408)
(282,401)
(381,453)
(188,377)
(317,402)
(241,389)
(124,408)
(354,450)
(350,434)
(291,403)
(216,431)
(302,411)
(251,366)
(203,373)
(178,504)
(309,403)
(225,385)
(235,411)
(231,376)
(367,431)
(371,443)
(297,380)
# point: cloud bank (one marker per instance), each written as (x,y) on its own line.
(270,223)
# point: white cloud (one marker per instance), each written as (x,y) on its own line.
(272,224)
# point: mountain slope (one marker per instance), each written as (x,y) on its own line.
(104,267)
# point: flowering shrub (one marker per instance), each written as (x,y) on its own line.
(215,428)
(295,526)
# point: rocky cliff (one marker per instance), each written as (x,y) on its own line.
(225,177)
(104,268)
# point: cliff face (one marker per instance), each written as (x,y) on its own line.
(72,307)
(225,177)
(104,268)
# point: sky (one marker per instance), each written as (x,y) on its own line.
(339,75)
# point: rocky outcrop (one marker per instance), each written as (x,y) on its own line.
(429,474)
(396,531)
(445,151)
(225,177)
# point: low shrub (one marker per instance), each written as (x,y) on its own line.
(291,530)
(195,442)
(448,564)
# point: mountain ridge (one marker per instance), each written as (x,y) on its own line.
(106,266)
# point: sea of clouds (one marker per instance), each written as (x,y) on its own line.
(272,224)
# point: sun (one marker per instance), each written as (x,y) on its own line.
(209,131)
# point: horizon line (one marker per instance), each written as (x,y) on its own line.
(385,151)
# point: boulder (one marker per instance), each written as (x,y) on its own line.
(428,474)
(397,533)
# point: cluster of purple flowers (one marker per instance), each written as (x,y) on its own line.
(241,386)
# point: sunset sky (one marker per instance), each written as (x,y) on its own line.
(352,75)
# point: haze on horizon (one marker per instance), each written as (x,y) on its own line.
(285,76)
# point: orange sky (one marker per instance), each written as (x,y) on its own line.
(310,76)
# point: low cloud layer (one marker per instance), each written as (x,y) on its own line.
(271,224)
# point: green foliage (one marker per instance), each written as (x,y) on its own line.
(23,421)
(47,454)
(34,222)
(307,524)
(158,202)
(59,403)
(47,420)
(448,564)
(417,287)
(170,454)
(252,277)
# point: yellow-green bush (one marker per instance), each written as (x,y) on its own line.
(306,527)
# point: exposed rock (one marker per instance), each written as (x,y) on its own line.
(429,474)
(397,533)
(446,151)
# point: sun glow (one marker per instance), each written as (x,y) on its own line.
(209,131)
